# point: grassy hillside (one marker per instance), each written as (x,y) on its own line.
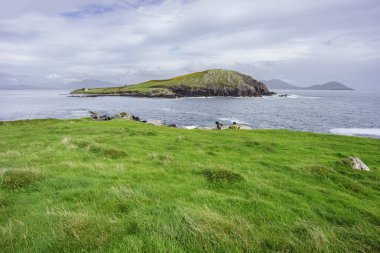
(122,186)
(215,79)
(192,80)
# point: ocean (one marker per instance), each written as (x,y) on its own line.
(340,112)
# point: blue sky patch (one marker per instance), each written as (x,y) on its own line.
(89,10)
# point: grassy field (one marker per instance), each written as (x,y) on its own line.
(123,186)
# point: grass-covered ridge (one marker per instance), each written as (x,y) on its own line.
(217,80)
(123,186)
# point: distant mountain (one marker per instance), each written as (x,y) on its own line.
(18,87)
(278,84)
(282,85)
(90,83)
(329,86)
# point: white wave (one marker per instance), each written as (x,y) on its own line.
(233,120)
(281,96)
(200,97)
(357,131)
(157,99)
(303,97)
(190,127)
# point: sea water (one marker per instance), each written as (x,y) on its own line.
(340,112)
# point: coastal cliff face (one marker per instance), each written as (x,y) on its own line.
(224,83)
(214,82)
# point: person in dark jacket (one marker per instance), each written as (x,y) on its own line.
(218,126)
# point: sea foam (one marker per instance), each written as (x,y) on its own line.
(373,132)
(293,96)
(190,127)
(234,120)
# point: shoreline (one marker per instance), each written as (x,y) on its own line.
(371,133)
(156,96)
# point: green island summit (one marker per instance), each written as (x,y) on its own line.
(214,82)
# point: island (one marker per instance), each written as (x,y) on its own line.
(214,82)
(329,86)
(282,85)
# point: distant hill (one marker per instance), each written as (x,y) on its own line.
(18,87)
(282,85)
(10,82)
(329,86)
(90,83)
(214,82)
(278,84)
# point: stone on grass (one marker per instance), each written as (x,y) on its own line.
(357,164)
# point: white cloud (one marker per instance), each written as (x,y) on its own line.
(130,41)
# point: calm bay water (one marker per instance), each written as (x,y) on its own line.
(346,112)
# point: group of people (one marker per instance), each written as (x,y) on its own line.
(234,126)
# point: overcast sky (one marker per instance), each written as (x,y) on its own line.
(304,42)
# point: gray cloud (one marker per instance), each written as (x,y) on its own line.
(304,42)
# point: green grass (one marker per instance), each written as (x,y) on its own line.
(123,186)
